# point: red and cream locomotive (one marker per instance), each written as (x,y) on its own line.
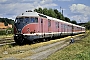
(30,26)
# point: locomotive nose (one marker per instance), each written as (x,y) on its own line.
(30,28)
(19,27)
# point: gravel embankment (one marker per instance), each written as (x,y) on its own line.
(45,51)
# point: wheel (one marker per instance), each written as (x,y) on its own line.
(19,41)
(44,40)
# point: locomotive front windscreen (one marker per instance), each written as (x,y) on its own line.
(26,20)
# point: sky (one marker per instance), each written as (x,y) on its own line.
(78,10)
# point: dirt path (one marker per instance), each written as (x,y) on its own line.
(43,52)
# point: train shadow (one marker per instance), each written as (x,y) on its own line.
(14,44)
(44,40)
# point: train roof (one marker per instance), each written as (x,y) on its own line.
(48,17)
(28,14)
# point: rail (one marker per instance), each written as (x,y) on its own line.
(7,40)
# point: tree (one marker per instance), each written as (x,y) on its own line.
(57,13)
(67,19)
(35,10)
(74,22)
(88,25)
(51,13)
(39,10)
(45,11)
(7,21)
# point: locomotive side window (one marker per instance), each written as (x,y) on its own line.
(21,19)
(36,19)
(26,19)
(33,20)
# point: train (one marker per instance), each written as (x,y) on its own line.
(31,26)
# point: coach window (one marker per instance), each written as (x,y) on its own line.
(41,20)
(56,24)
(49,23)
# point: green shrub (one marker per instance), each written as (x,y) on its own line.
(2,32)
(7,31)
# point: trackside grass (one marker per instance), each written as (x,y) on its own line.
(80,50)
(19,52)
(5,36)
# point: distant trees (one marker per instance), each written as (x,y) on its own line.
(67,19)
(88,25)
(50,12)
(7,21)
(54,13)
(74,22)
(59,15)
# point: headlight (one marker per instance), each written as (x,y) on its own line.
(16,35)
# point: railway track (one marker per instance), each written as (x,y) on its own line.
(7,40)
